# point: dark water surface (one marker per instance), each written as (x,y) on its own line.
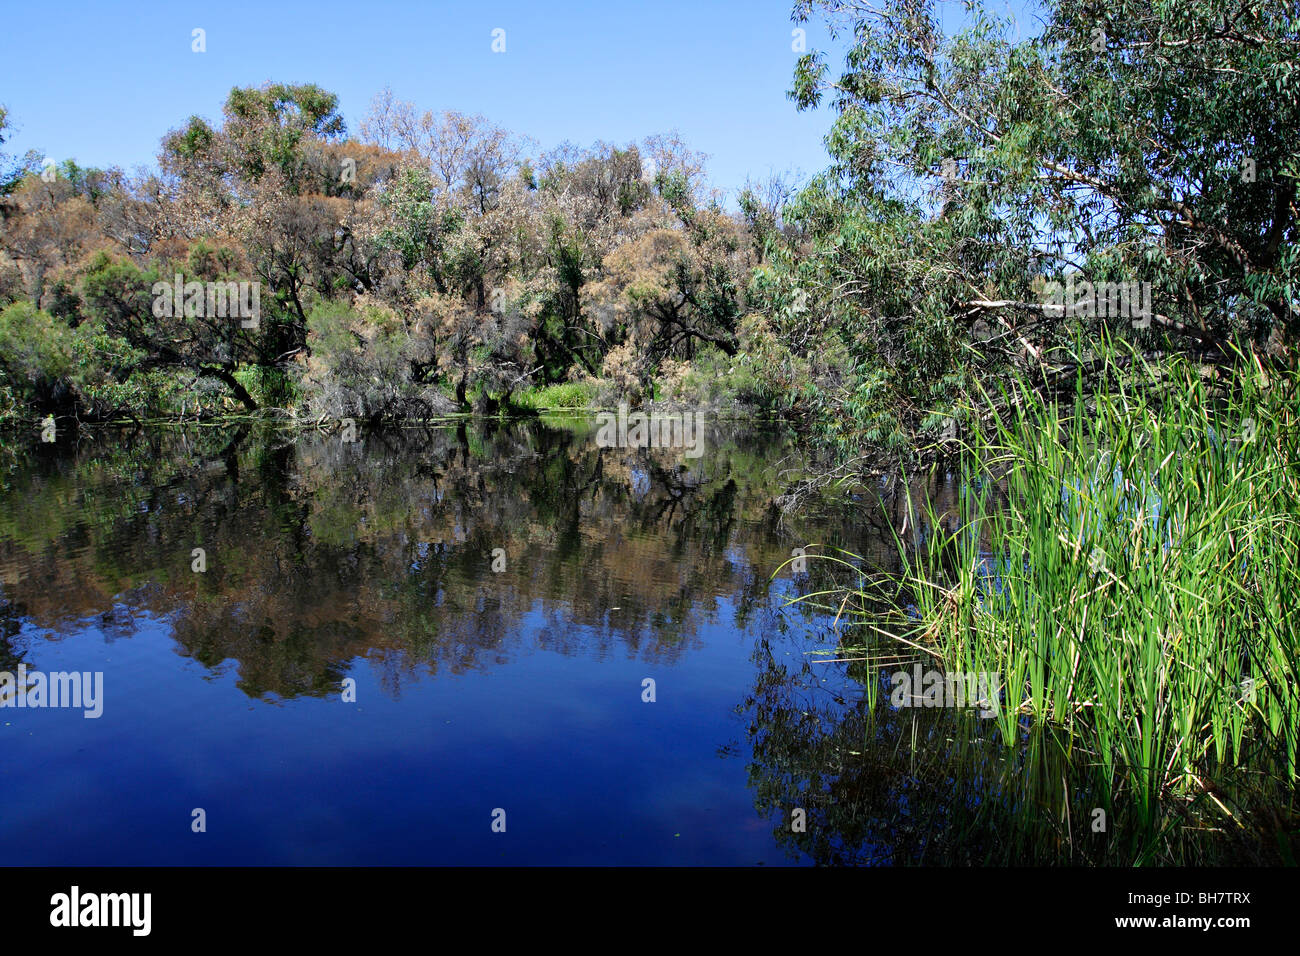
(518,689)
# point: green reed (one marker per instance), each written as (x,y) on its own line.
(1129,562)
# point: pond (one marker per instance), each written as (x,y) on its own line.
(389,642)
(475,644)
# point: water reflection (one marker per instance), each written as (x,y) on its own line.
(504,590)
(319,552)
(881,785)
(499,593)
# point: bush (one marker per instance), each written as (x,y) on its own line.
(561,396)
(270,387)
(361,366)
(37,357)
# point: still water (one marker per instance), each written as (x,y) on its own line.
(390,641)
(484,644)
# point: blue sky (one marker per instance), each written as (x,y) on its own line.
(101,82)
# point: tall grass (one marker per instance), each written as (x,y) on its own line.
(1130,564)
(564,395)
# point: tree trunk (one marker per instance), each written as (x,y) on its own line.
(227,378)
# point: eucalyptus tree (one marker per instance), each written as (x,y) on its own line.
(1149,142)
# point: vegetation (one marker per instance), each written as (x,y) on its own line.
(1125,547)
(1130,565)
(1128,142)
(567,395)
(428,266)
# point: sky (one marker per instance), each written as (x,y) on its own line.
(101,82)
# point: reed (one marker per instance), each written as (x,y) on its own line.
(1130,564)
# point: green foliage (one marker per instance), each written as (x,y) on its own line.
(416,229)
(968,167)
(564,395)
(268,126)
(35,349)
(1127,142)
(117,293)
(270,386)
(362,366)
(196,139)
(1129,564)
(47,367)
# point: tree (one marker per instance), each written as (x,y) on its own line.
(118,295)
(664,294)
(12,171)
(969,169)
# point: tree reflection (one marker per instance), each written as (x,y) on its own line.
(882,785)
(321,552)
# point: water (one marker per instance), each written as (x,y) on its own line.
(396,643)
(476,690)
